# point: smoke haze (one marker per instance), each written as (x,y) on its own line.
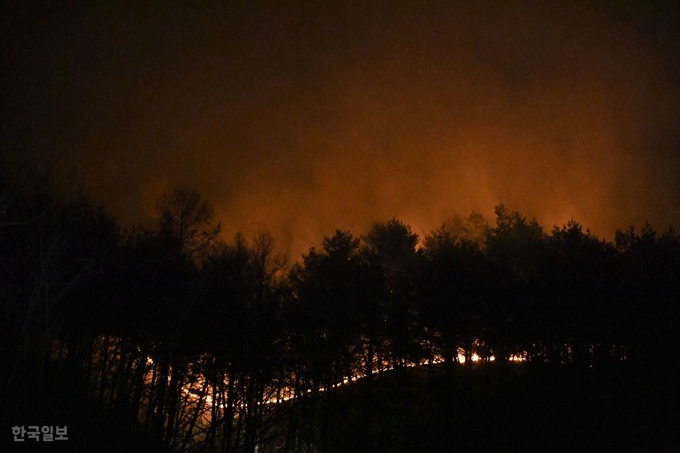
(305,118)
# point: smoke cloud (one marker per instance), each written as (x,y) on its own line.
(304,118)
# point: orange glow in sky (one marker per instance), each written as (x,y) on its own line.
(302,119)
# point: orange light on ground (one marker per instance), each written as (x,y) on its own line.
(517,358)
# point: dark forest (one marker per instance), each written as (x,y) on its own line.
(485,335)
(339,226)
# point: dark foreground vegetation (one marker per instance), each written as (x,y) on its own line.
(481,337)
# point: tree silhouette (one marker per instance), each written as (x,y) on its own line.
(577,281)
(334,327)
(391,246)
(202,345)
(185,219)
(514,249)
(453,294)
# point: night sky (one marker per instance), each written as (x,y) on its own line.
(303,117)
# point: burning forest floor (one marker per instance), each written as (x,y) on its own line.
(482,408)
